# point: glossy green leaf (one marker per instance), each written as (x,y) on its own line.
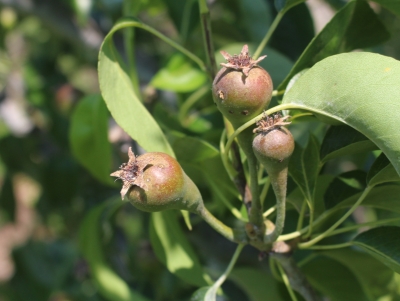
(383,197)
(382,171)
(277,65)
(110,285)
(392,5)
(178,76)
(344,140)
(383,243)
(345,32)
(356,89)
(304,167)
(285,5)
(121,98)
(173,249)
(89,137)
(373,276)
(256,18)
(333,279)
(259,285)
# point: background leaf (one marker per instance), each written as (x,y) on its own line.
(381,171)
(259,285)
(356,89)
(173,249)
(344,140)
(256,18)
(328,275)
(373,275)
(383,243)
(391,5)
(178,76)
(343,33)
(89,137)
(285,5)
(304,167)
(122,100)
(110,285)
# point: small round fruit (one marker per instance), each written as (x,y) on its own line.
(241,89)
(273,148)
(155,181)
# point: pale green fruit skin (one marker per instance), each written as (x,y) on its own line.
(241,98)
(167,186)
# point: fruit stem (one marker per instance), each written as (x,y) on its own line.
(220,227)
(267,37)
(279,185)
(286,282)
(228,270)
(331,247)
(245,140)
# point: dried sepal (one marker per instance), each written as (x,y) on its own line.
(242,61)
(268,123)
(130,173)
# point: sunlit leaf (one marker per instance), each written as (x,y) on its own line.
(383,243)
(345,32)
(121,98)
(173,249)
(356,89)
(89,137)
(178,76)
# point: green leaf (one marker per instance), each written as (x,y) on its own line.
(259,285)
(275,63)
(202,294)
(373,276)
(88,135)
(110,285)
(382,197)
(178,76)
(344,186)
(382,171)
(344,140)
(345,32)
(121,98)
(333,279)
(285,5)
(256,18)
(173,249)
(304,167)
(392,5)
(383,243)
(356,89)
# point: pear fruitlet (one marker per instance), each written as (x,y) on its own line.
(155,181)
(274,148)
(241,89)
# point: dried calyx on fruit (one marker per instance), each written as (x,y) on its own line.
(155,181)
(241,89)
(273,146)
